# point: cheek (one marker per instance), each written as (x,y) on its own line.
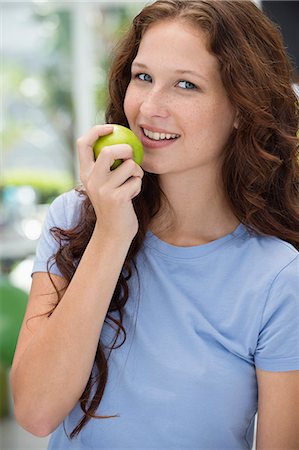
(213,124)
(130,103)
(219,119)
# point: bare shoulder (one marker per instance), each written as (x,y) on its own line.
(278,406)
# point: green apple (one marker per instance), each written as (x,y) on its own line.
(120,135)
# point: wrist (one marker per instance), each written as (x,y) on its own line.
(107,237)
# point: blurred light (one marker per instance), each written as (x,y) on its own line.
(25,195)
(48,28)
(31,87)
(32,228)
(40,138)
(21,274)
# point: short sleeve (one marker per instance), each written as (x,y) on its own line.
(64,213)
(278,343)
(47,245)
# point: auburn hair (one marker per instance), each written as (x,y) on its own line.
(260,170)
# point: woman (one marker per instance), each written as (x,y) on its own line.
(175,311)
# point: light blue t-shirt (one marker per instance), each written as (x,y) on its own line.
(198,323)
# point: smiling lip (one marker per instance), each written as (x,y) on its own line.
(157,130)
(150,143)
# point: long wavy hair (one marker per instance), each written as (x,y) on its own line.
(260,169)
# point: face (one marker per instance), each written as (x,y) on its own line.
(176,102)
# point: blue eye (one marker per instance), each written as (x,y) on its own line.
(143,76)
(187,85)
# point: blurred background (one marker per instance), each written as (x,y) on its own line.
(54,60)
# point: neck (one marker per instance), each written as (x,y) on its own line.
(200,211)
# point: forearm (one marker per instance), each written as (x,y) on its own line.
(54,369)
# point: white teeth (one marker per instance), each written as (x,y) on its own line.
(159,136)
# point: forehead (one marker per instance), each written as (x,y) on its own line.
(178,42)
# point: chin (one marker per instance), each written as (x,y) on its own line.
(149,168)
(155,165)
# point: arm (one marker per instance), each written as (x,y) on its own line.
(278,410)
(55,356)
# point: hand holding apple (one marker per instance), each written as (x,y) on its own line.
(120,135)
(111,191)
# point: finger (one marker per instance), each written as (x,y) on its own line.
(94,133)
(121,174)
(130,189)
(111,153)
(85,144)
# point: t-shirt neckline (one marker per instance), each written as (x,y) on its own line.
(195,251)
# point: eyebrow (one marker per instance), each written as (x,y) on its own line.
(178,71)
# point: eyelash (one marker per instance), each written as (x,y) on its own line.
(181,81)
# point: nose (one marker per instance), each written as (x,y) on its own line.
(155,104)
